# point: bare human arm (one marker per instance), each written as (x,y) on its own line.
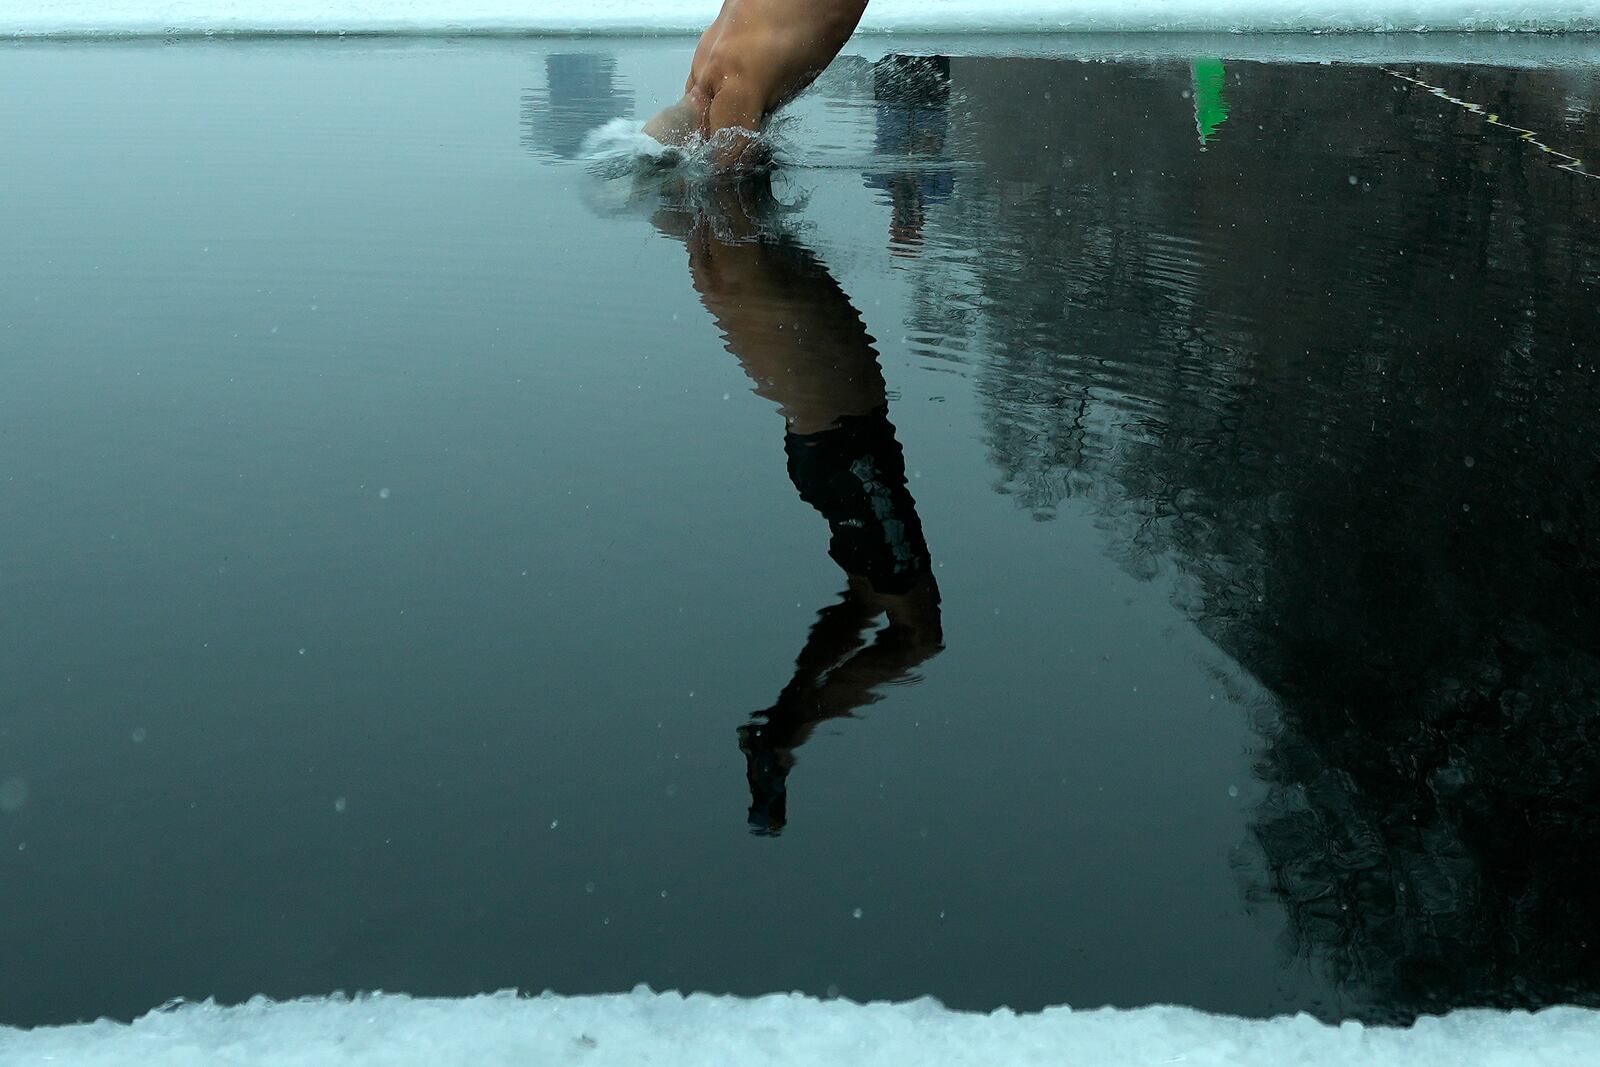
(754,58)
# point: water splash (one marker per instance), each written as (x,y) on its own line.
(621,148)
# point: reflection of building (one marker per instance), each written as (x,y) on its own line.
(912,115)
(580,93)
(1328,373)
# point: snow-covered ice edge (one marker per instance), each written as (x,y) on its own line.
(790,1030)
(139,18)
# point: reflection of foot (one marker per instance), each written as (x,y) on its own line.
(767,768)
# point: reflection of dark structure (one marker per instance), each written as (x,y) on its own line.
(912,113)
(580,94)
(806,348)
(1342,385)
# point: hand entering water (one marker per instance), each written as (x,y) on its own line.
(754,58)
(806,348)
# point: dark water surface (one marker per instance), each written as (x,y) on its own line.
(1133,527)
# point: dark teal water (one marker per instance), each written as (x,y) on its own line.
(1118,532)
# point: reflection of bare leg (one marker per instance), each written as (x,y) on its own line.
(836,672)
(913,634)
(768,742)
(837,633)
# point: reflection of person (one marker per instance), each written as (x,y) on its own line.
(806,348)
(912,97)
(754,58)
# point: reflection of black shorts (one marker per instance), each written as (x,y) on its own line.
(855,475)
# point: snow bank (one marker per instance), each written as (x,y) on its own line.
(79,18)
(669,1029)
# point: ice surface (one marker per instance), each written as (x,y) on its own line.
(789,1029)
(167,17)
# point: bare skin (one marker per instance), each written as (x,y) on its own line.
(757,56)
(792,327)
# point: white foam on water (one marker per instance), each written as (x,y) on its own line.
(785,1030)
(659,17)
(622,147)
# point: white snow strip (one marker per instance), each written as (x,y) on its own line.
(782,1030)
(89,18)
(1540,50)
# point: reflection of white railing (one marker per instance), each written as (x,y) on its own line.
(198,17)
(1562,160)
